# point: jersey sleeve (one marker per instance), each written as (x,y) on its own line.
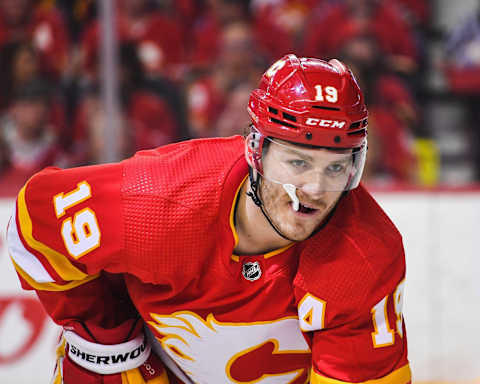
(352,313)
(65,239)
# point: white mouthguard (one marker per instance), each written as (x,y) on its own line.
(292,193)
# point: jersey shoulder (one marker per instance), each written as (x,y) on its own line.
(361,219)
(67,224)
(154,214)
(187,172)
(174,199)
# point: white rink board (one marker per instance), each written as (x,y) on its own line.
(442,295)
(36,363)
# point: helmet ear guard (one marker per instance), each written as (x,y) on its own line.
(254,148)
(358,158)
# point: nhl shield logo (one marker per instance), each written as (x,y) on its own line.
(251,271)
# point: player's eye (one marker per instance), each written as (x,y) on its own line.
(335,169)
(298,164)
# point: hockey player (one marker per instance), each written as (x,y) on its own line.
(229,260)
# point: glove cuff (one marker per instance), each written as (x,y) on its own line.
(107,359)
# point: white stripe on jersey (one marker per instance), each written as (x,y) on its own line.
(25,259)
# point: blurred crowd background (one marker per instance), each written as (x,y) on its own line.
(185,68)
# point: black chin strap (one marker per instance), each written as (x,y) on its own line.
(253,193)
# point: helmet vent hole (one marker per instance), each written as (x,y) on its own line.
(284,123)
(273,110)
(308,135)
(355,125)
(287,116)
(359,132)
(327,108)
(337,139)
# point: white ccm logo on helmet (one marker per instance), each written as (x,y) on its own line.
(325,123)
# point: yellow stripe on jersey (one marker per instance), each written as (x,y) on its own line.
(61,348)
(400,376)
(277,251)
(232,213)
(57,375)
(59,262)
(51,286)
(133,376)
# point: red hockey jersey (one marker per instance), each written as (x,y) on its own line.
(327,310)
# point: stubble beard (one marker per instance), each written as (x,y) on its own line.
(276,205)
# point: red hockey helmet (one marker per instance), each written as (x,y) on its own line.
(307,101)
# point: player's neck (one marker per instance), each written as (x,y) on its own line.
(255,234)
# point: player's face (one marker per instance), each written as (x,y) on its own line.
(319,175)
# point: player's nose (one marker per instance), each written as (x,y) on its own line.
(315,187)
